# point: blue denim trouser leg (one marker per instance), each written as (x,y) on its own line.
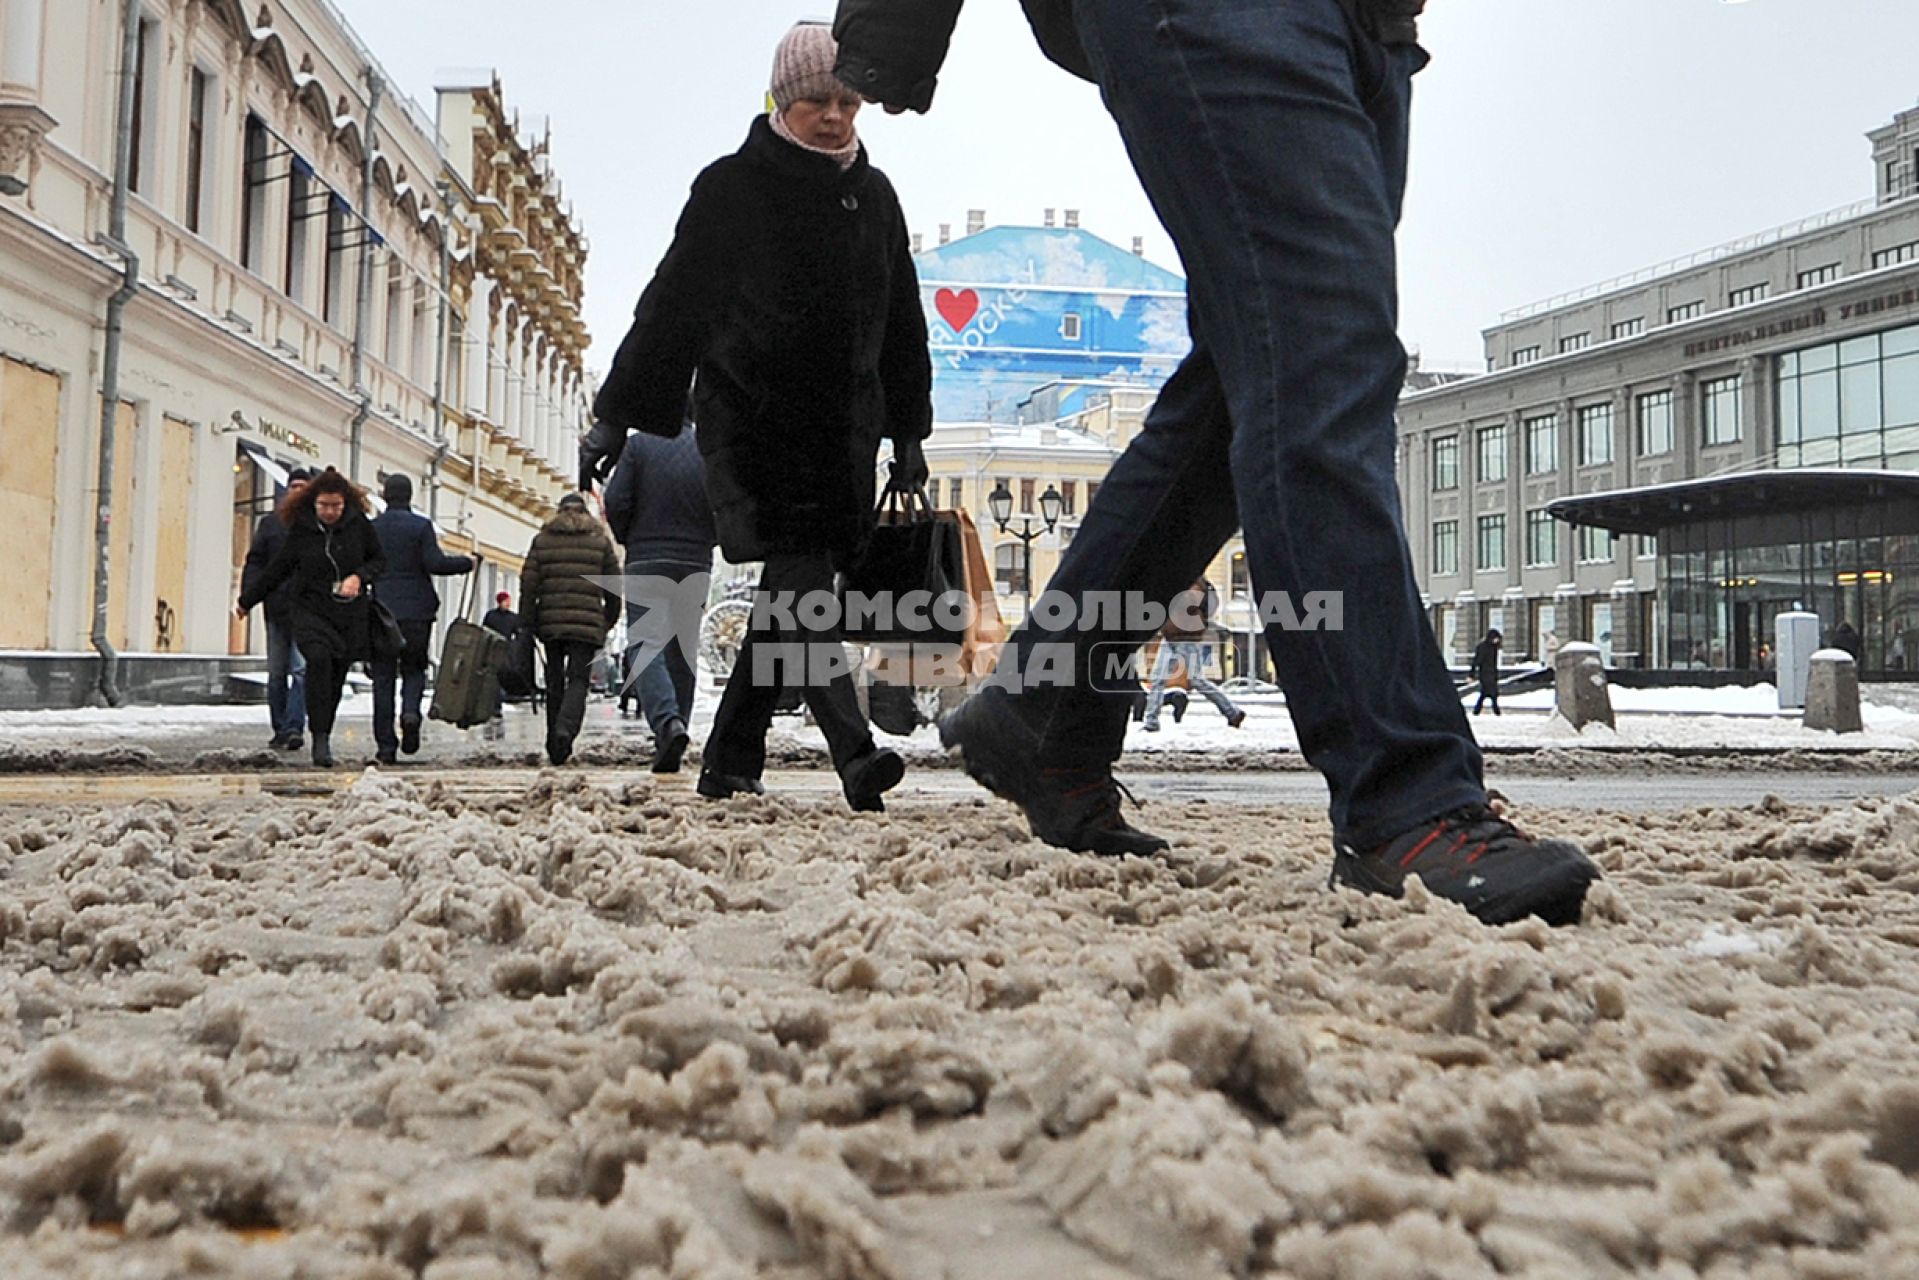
(666,684)
(286,680)
(1271,139)
(409,672)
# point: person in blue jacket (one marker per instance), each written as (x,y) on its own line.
(413,559)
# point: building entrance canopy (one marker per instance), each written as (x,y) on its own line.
(1736,551)
(1751,494)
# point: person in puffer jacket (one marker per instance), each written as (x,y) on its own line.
(570,613)
(1271,136)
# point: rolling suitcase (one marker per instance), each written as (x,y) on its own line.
(467,690)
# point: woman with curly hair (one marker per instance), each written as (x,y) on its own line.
(329,559)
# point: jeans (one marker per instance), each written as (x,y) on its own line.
(666,685)
(1271,138)
(1191,655)
(569,676)
(409,670)
(286,681)
(770,660)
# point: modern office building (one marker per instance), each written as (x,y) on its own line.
(1662,463)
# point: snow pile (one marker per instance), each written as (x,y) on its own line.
(577,1032)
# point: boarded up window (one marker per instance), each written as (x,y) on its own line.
(29,445)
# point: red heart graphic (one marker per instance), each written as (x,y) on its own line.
(957,309)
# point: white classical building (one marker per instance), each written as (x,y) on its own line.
(328,275)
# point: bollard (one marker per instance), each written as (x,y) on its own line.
(1579,686)
(1832,693)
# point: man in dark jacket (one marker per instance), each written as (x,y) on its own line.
(790,289)
(1272,140)
(569,612)
(656,507)
(413,559)
(1486,670)
(286,668)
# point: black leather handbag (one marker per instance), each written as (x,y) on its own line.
(384,639)
(911,549)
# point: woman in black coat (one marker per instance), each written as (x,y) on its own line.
(330,557)
(790,289)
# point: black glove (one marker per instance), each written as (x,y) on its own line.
(599,451)
(909,471)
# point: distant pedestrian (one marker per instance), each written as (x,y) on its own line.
(1846,637)
(1486,670)
(569,613)
(790,288)
(413,559)
(500,619)
(505,623)
(657,508)
(1182,644)
(330,555)
(286,668)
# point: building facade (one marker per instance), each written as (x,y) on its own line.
(322,281)
(1792,349)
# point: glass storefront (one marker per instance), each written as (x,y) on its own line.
(1851,404)
(1724,581)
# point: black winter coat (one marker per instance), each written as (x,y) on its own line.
(413,556)
(1485,666)
(310,561)
(556,599)
(790,288)
(269,535)
(891,50)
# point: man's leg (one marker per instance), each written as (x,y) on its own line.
(296,721)
(579,658)
(413,667)
(1272,141)
(555,690)
(1162,672)
(386,674)
(279,658)
(1161,515)
(1199,682)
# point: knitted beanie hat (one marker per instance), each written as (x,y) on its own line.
(803,64)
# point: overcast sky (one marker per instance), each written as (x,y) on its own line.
(1556,142)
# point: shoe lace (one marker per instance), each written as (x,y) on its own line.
(1467,833)
(1097,789)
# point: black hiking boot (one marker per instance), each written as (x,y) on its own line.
(409,735)
(1070,808)
(1476,858)
(670,746)
(722,786)
(867,777)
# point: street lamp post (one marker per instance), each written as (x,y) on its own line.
(1001,503)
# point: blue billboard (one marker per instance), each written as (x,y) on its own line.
(1012,309)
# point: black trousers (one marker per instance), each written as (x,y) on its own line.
(569,674)
(1488,692)
(326,681)
(781,651)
